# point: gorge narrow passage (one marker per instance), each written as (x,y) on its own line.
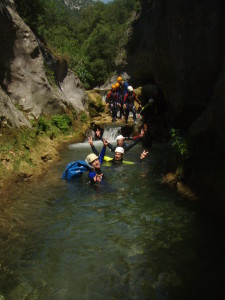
(129,238)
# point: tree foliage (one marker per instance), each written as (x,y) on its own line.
(89,39)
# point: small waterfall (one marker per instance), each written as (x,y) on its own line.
(110,134)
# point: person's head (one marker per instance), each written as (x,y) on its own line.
(92,159)
(117,85)
(113,87)
(120,80)
(119,152)
(130,89)
(120,140)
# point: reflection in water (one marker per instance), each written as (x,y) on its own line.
(129,238)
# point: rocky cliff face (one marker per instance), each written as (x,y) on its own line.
(22,75)
(180,45)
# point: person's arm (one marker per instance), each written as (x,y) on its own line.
(135,137)
(111,147)
(128,147)
(102,154)
(136,99)
(94,150)
(125,99)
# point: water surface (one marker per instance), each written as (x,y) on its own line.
(128,238)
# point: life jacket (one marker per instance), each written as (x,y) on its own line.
(76,169)
(113,97)
(110,159)
(130,98)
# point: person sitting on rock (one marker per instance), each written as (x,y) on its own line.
(120,98)
(129,106)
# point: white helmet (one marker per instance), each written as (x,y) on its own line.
(130,88)
(91,157)
(120,137)
(119,150)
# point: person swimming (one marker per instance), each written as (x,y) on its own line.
(95,161)
(118,153)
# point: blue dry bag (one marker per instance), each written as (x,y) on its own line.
(76,169)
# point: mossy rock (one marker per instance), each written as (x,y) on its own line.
(95,102)
(93,113)
(138,92)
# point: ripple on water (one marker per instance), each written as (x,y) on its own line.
(130,238)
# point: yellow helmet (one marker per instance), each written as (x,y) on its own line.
(119,79)
(117,85)
(113,86)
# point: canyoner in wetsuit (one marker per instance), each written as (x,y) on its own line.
(118,154)
(121,88)
(121,141)
(113,101)
(95,161)
(129,106)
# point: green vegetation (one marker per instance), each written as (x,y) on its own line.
(83,117)
(179,143)
(16,145)
(89,39)
(50,75)
(63,122)
(181,148)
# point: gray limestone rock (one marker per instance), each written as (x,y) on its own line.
(22,74)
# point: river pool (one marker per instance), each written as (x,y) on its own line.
(128,238)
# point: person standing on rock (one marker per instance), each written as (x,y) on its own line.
(129,105)
(121,90)
(113,101)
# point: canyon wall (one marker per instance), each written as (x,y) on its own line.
(180,45)
(23,77)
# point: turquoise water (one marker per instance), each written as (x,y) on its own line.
(128,238)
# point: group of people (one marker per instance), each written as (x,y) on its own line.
(95,159)
(121,98)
